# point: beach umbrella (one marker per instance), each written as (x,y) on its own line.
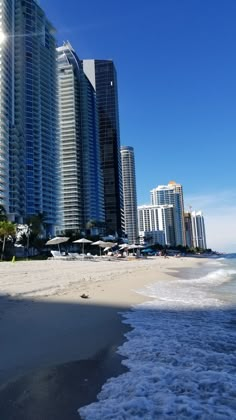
(101,245)
(109,246)
(57,241)
(82,241)
(123,246)
(134,246)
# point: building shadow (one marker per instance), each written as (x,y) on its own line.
(48,366)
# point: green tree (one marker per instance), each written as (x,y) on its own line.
(7,229)
(3,213)
(36,224)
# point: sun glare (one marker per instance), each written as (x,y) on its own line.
(2,37)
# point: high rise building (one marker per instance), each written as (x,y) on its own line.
(172,194)
(29,114)
(198,230)
(157,224)
(188,229)
(102,75)
(129,193)
(82,195)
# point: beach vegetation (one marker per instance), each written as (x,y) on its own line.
(3,213)
(7,232)
(37,224)
(32,236)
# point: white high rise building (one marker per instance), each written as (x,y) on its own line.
(129,193)
(172,194)
(198,230)
(157,224)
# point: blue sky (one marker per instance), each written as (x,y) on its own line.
(176,66)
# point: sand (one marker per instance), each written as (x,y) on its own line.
(57,349)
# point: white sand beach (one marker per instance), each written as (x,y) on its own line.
(58,349)
(44,321)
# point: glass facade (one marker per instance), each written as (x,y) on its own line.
(31,112)
(102,75)
(82,183)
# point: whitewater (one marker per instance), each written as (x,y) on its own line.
(180,353)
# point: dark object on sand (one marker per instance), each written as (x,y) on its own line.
(84,296)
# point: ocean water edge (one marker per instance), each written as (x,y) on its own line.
(181,351)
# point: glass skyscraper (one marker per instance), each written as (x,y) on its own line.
(29,114)
(82,197)
(102,75)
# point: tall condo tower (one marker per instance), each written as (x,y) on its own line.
(198,230)
(29,114)
(102,75)
(188,229)
(129,193)
(82,198)
(156,223)
(172,194)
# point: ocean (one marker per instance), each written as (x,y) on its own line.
(181,351)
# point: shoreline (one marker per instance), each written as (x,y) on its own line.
(56,307)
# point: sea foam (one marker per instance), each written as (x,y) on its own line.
(181,355)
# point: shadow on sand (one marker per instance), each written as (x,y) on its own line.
(48,365)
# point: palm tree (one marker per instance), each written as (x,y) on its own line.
(6,229)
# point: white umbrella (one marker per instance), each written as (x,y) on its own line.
(101,244)
(57,241)
(82,241)
(123,247)
(133,247)
(111,244)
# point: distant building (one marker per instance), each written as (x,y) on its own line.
(157,224)
(198,230)
(129,193)
(82,193)
(188,229)
(29,113)
(102,75)
(172,194)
